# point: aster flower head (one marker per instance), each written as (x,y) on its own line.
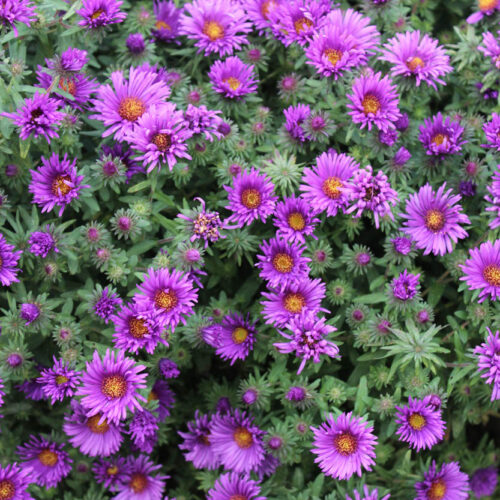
(441,136)
(232,78)
(203,121)
(17,11)
(344,446)
(218,26)
(42,243)
(491,47)
(71,61)
(237,441)
(295,219)
(482,270)
(488,362)
(56,183)
(14,481)
(168,294)
(110,472)
(165,396)
(295,120)
(197,445)
(417,57)
(492,131)
(104,303)
(308,339)
(100,13)
(110,385)
(282,263)
(373,193)
(167,21)
(38,116)
(325,186)
(366,494)
(236,338)
(493,198)
(486,8)
(447,483)
(48,461)
(8,262)
(259,11)
(168,368)
(121,105)
(92,435)
(374,102)
(234,486)
(404,288)
(250,197)
(434,219)
(483,482)
(143,430)
(59,381)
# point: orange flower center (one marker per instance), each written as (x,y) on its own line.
(114,386)
(1,262)
(138,482)
(213,30)
(243,437)
(239,335)
(491,274)
(331,187)
(96,427)
(282,262)
(48,458)
(434,220)
(161,141)
(97,14)
(238,497)
(137,328)
(437,490)
(162,25)
(233,82)
(294,302)
(68,86)
(60,186)
(438,139)
(485,5)
(205,440)
(370,104)
(267,7)
(112,471)
(166,300)
(296,221)
(131,108)
(415,62)
(302,24)
(7,490)
(61,379)
(152,396)
(417,421)
(345,443)
(333,56)
(251,198)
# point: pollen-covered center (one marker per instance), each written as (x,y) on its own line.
(491,274)
(97,14)
(137,328)
(414,63)
(131,108)
(48,458)
(331,187)
(371,104)
(213,30)
(296,221)
(112,471)
(302,24)
(162,141)
(138,482)
(239,335)
(438,139)
(283,262)
(60,186)
(251,198)
(333,56)
(434,220)
(61,379)
(162,25)
(238,497)
(417,421)
(437,490)
(114,386)
(232,82)
(166,300)
(68,86)
(294,302)
(243,437)
(486,5)
(7,489)
(96,427)
(345,444)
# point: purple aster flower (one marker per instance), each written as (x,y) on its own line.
(324,186)
(110,385)
(55,183)
(42,243)
(110,472)
(467,188)
(119,107)
(434,219)
(168,368)
(170,295)
(371,192)
(8,262)
(143,430)
(416,56)
(267,467)
(14,481)
(167,21)
(374,101)
(402,245)
(30,312)
(237,441)
(282,263)
(165,396)
(491,47)
(492,132)
(48,461)
(482,270)
(59,382)
(106,304)
(32,389)
(493,198)
(38,116)
(259,11)
(388,137)
(117,152)
(236,337)
(308,339)
(488,362)
(289,302)
(441,136)
(483,482)
(135,43)
(344,446)
(486,8)
(400,159)
(16,11)
(405,286)
(295,118)
(136,328)
(250,197)
(295,219)
(449,483)
(100,13)
(93,436)
(342,44)
(197,443)
(69,62)
(366,495)
(420,424)
(219,26)
(233,78)
(2,392)
(232,486)
(139,483)
(203,121)
(296,394)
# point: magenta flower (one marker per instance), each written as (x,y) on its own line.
(295,119)
(202,121)
(486,8)
(251,197)
(100,13)
(14,481)
(259,12)
(16,11)
(119,107)
(110,472)
(482,270)
(236,337)
(449,483)
(42,243)
(69,62)
(106,303)
(441,136)
(233,78)
(59,382)
(374,102)
(143,431)
(417,58)
(110,385)
(493,198)
(216,26)
(483,482)
(366,495)
(434,219)
(233,486)
(488,362)
(8,262)
(295,220)
(162,393)
(325,185)
(492,131)
(344,446)
(405,286)
(167,20)
(55,183)
(491,47)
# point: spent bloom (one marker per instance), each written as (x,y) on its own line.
(447,483)
(488,362)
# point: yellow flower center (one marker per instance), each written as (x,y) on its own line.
(166,300)
(61,379)
(345,444)
(137,328)
(1,262)
(97,14)
(239,335)
(414,63)
(491,274)
(161,141)
(233,82)
(238,497)
(438,139)
(114,386)
(434,220)
(333,56)
(283,262)
(213,30)
(243,437)
(251,198)
(331,187)
(370,104)
(417,421)
(7,489)
(162,25)
(48,458)
(60,186)
(112,471)
(96,427)
(296,221)
(138,482)
(294,302)
(131,108)
(485,5)
(302,24)
(437,490)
